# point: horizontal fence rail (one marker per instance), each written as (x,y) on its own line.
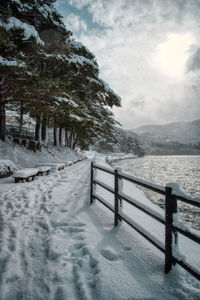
(171,231)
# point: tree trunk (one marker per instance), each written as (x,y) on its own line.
(37,128)
(65,137)
(2,120)
(75,141)
(44,122)
(55,136)
(21,116)
(69,138)
(46,137)
(40,134)
(60,136)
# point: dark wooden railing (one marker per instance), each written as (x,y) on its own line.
(171,230)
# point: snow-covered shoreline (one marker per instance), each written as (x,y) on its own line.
(64,248)
(119,156)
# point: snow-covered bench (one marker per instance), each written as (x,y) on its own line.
(69,163)
(25,174)
(53,165)
(43,170)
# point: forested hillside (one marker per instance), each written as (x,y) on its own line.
(125,141)
(171,139)
(47,75)
(181,132)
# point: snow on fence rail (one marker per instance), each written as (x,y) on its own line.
(171,229)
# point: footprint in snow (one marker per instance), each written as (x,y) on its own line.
(109,254)
(15,214)
(78,224)
(77,238)
(11,244)
(9,206)
(13,278)
(75,229)
(64,210)
(50,195)
(59,294)
(59,223)
(127,248)
(86,272)
(79,246)
(43,225)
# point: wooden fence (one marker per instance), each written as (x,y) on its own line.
(171,231)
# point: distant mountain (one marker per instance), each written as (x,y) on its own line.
(180,138)
(181,132)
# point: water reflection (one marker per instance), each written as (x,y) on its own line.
(184,170)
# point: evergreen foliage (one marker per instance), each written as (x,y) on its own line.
(124,141)
(55,77)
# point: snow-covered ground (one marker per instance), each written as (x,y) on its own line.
(24,158)
(55,245)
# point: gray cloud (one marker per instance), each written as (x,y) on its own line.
(194,61)
(124,37)
(74,22)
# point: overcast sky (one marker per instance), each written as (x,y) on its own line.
(148,52)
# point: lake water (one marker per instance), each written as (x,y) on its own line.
(184,170)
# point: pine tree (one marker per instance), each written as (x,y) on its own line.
(56,78)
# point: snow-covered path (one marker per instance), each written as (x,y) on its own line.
(38,226)
(54,245)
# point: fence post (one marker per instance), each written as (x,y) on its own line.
(116,197)
(168,228)
(91,183)
(174,210)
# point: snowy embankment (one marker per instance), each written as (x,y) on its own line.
(101,157)
(24,158)
(55,245)
(6,168)
(118,156)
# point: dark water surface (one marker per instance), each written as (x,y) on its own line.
(184,170)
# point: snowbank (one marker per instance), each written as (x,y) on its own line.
(6,168)
(111,157)
(118,156)
(186,248)
(24,158)
(55,245)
